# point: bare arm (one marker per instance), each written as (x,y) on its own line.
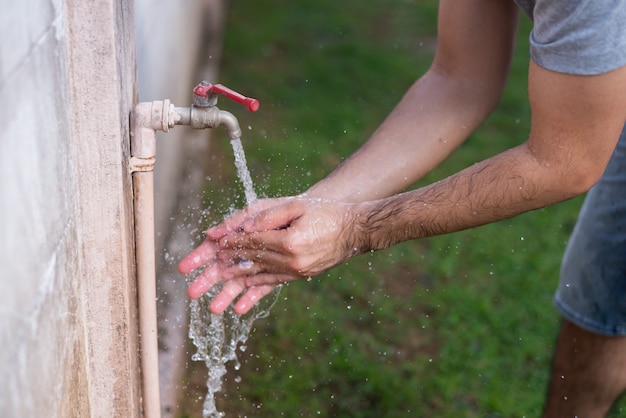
(575,126)
(474,49)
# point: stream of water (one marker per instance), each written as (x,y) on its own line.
(217,337)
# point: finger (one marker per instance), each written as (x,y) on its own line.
(272,240)
(228,225)
(251,297)
(253,262)
(235,221)
(230,290)
(273,218)
(203,283)
(260,216)
(198,257)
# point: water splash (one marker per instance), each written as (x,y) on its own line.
(217,337)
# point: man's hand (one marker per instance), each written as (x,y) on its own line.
(296,237)
(205,257)
(271,242)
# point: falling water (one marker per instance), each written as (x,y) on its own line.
(217,337)
(242,170)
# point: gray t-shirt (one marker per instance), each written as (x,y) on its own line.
(577,36)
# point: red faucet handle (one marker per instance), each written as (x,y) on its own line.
(205,89)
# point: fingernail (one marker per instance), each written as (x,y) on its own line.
(241,308)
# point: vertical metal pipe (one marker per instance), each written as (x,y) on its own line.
(146,118)
(143,184)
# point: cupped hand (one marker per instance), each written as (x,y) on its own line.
(287,237)
(271,242)
(204,257)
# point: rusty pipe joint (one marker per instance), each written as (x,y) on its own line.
(208,117)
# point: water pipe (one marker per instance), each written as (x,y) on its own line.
(146,118)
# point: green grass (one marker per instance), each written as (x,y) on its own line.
(460,325)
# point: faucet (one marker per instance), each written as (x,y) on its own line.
(147,118)
(161,115)
(205,114)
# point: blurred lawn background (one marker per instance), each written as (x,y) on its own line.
(460,325)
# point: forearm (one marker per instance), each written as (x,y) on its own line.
(506,185)
(434,117)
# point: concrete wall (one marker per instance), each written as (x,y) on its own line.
(68,334)
(68,322)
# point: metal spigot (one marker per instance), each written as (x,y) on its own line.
(205,114)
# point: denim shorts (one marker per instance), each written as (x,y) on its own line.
(592,287)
